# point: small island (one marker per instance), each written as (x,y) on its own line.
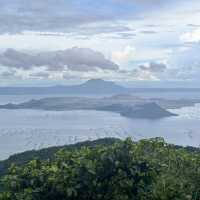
(127,106)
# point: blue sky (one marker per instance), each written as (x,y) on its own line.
(46,42)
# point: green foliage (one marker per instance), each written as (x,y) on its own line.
(147,170)
(48,153)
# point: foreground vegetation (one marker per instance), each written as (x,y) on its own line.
(49,153)
(122,170)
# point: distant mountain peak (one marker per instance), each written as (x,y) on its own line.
(101,83)
(92,86)
(101,86)
(98,81)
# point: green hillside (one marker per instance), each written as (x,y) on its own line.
(120,170)
(48,153)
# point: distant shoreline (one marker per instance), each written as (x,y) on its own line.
(126,105)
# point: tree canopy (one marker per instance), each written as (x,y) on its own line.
(147,170)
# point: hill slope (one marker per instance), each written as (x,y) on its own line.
(93,86)
(150,169)
(48,153)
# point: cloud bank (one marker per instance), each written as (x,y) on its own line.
(17,16)
(153,67)
(74,59)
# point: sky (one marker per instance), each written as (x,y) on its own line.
(48,42)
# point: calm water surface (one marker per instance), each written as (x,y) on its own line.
(22,130)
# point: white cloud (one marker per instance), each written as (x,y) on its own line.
(193,36)
(124,56)
(110,27)
(143,75)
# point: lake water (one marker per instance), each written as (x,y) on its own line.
(22,130)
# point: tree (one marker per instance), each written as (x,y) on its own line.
(147,170)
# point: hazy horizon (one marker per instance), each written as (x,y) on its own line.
(128,84)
